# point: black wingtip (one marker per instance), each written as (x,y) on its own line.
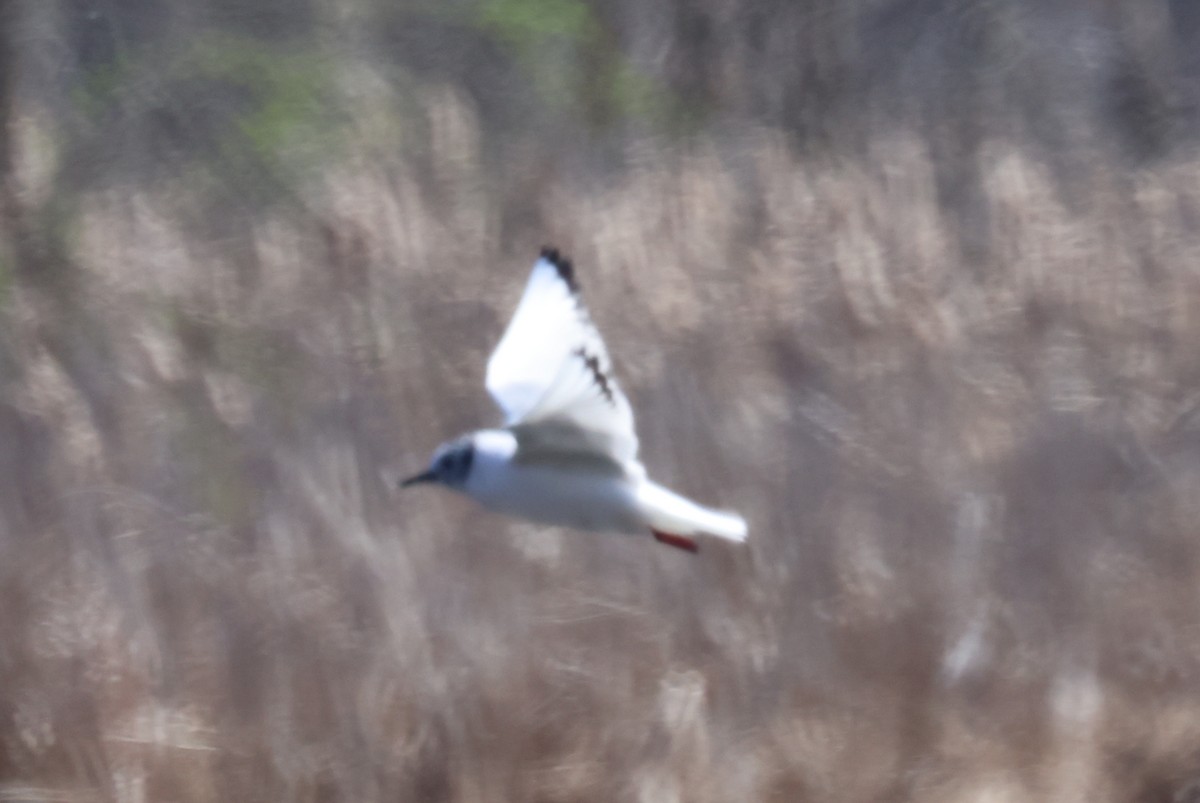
(562,264)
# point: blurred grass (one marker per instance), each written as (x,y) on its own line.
(953,389)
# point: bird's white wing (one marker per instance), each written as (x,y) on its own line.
(551,374)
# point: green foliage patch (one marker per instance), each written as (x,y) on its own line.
(574,63)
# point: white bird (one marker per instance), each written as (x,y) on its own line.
(567,454)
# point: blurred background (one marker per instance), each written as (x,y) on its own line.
(912,284)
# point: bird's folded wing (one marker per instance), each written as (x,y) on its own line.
(562,446)
(551,365)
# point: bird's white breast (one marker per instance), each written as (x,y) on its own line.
(568,495)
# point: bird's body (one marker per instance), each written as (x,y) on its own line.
(571,490)
(568,454)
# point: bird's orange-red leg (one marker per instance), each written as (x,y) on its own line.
(677,541)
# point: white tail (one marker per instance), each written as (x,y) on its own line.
(669,512)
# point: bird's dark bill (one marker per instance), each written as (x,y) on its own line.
(425,476)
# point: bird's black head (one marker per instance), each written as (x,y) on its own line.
(450,466)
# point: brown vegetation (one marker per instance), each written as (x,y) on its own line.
(943,357)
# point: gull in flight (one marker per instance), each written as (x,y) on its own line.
(567,454)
